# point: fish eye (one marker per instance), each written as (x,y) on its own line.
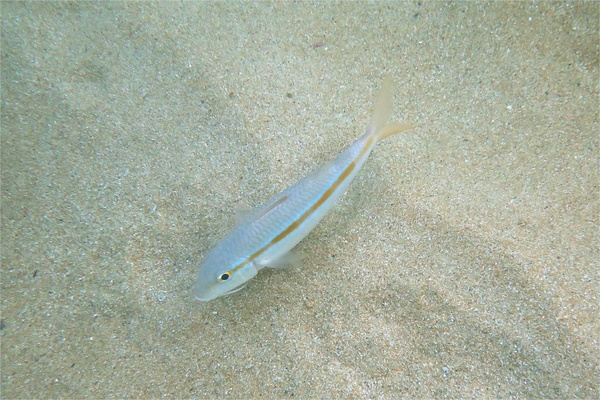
(224,277)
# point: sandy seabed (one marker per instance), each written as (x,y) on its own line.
(462,262)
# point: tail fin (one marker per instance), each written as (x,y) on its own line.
(378,126)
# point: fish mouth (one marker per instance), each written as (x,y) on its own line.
(209,298)
(243,285)
(196,297)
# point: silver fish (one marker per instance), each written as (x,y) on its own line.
(266,237)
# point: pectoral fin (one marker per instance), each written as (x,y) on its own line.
(289,260)
(242,212)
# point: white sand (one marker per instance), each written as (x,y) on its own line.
(462,262)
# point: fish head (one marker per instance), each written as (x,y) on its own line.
(218,279)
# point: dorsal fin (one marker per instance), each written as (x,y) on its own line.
(270,208)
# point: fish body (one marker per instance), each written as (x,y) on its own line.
(266,237)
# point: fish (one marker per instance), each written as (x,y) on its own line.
(266,236)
